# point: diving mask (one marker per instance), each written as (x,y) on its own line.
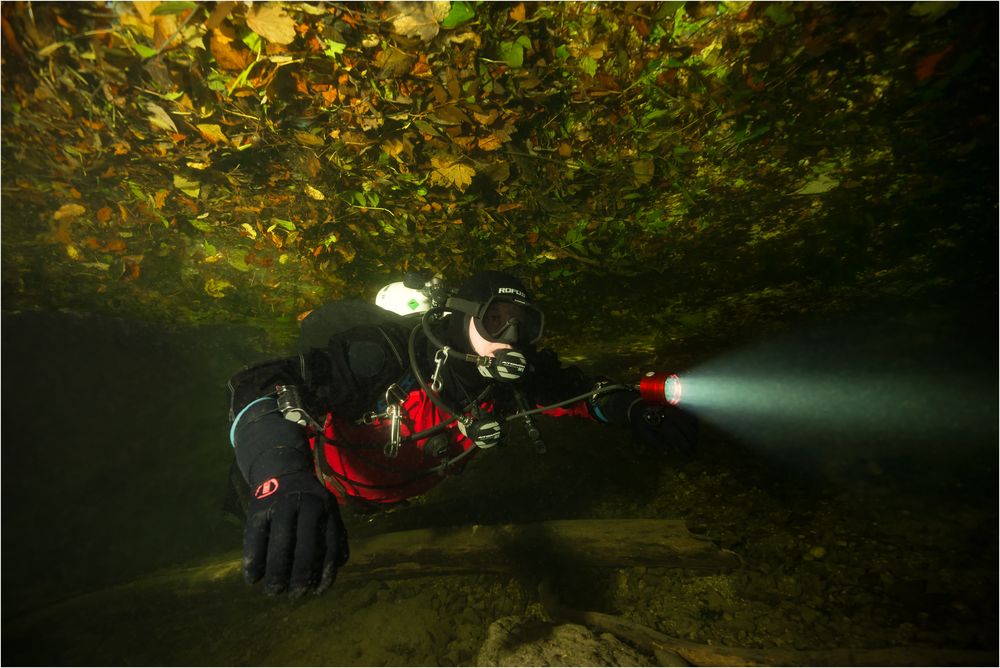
(503,318)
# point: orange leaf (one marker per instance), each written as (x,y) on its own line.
(421,68)
(75,193)
(508,206)
(116,246)
(927,64)
(518,13)
(228,53)
(302,316)
(160,198)
(301,85)
(755,85)
(104,214)
(62,232)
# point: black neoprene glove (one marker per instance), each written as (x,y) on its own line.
(662,428)
(665,428)
(294,537)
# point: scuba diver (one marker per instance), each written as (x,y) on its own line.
(377,408)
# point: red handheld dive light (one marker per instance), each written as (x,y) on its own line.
(660,387)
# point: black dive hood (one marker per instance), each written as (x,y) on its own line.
(497,305)
(446,328)
(507,365)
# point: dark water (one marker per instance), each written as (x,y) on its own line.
(114,452)
(115,460)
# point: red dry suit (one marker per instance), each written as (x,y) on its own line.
(353,463)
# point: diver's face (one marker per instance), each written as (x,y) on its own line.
(483,347)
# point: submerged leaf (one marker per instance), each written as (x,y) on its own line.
(512,53)
(931,9)
(420,19)
(159,118)
(186,185)
(216,287)
(818,186)
(271,23)
(333,48)
(314,193)
(173,8)
(778,13)
(643,171)
(211,132)
(238,262)
(449,172)
(459,14)
(69,212)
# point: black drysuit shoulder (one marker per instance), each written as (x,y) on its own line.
(261,379)
(351,352)
(550,382)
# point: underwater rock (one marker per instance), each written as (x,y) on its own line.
(527,641)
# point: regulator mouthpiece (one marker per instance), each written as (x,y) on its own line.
(660,387)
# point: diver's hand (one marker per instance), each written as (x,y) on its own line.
(664,428)
(294,537)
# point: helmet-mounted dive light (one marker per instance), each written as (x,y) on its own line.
(660,387)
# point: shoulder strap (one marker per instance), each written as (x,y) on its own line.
(340,316)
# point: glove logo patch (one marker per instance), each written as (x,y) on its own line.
(266,488)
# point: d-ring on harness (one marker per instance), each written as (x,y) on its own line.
(440,357)
(394,398)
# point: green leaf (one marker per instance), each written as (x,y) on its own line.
(426,127)
(653,115)
(562,53)
(202,225)
(216,287)
(333,48)
(242,78)
(512,53)
(459,14)
(143,50)
(286,224)
(755,133)
(237,262)
(819,185)
(253,41)
(667,10)
(588,65)
(931,10)
(173,8)
(779,14)
(186,185)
